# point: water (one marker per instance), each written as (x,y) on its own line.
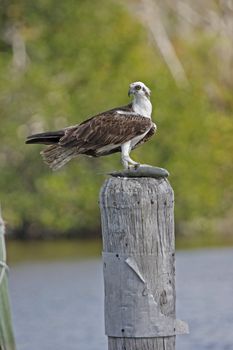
(59,305)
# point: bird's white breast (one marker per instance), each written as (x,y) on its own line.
(142,106)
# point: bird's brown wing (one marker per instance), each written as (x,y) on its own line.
(110,128)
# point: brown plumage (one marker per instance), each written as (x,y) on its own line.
(98,136)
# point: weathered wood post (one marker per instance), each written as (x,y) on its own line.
(139,264)
(7,341)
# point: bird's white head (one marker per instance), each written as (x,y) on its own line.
(139,89)
(141,98)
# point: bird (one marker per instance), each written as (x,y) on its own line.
(120,129)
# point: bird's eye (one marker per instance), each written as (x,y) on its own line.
(138,87)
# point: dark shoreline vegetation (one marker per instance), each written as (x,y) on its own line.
(51,250)
(57,69)
(32,232)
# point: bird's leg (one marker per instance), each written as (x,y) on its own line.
(125,158)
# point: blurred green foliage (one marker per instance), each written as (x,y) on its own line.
(61,62)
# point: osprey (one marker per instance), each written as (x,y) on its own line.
(118,130)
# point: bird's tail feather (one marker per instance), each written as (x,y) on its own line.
(55,156)
(49,137)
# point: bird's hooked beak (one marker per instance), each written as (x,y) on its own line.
(130,92)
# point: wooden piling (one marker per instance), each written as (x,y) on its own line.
(139,264)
